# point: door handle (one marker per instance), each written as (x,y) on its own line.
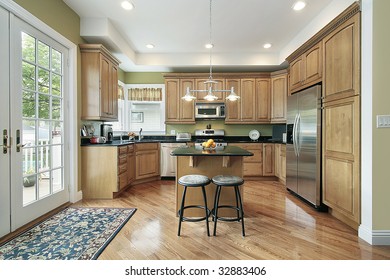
(18,144)
(5,142)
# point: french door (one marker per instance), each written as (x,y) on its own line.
(34,130)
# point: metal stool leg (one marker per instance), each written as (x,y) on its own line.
(181,209)
(206,210)
(217,195)
(241,209)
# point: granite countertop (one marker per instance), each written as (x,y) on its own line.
(226,151)
(172,139)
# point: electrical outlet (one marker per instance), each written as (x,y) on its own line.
(382,121)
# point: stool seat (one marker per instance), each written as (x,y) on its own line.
(227,180)
(194,180)
(189,181)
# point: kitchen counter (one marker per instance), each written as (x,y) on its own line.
(225,151)
(172,139)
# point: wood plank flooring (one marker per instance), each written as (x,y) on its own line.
(278,226)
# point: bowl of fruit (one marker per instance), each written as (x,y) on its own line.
(209,145)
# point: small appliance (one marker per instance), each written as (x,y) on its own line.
(106,131)
(209,111)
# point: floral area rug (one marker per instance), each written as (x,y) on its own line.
(72,234)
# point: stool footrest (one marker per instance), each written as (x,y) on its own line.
(187,219)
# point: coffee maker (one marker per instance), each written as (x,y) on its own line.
(106,131)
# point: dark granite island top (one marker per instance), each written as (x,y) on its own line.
(226,151)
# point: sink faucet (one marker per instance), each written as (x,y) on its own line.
(140,134)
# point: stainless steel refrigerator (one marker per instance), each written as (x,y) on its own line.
(303,146)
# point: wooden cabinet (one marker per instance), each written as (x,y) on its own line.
(147,160)
(248,100)
(306,70)
(342,61)
(268,159)
(263,97)
(261,164)
(280,162)
(106,170)
(177,109)
(99,74)
(341,122)
(279,97)
(220,85)
(233,108)
(340,159)
(253,165)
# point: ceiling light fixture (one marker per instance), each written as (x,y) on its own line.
(267,45)
(150,46)
(127,5)
(210,82)
(299,5)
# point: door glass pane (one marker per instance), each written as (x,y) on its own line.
(43,54)
(28,79)
(44,184)
(29,104)
(43,127)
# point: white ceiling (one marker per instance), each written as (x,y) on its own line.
(179,29)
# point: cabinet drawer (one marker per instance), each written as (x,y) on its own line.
(253,169)
(122,159)
(146,146)
(257,156)
(122,150)
(249,146)
(122,168)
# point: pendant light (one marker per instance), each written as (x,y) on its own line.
(210,82)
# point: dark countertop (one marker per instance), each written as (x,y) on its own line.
(172,139)
(226,151)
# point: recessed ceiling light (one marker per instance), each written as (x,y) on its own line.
(209,46)
(267,46)
(299,5)
(127,5)
(150,46)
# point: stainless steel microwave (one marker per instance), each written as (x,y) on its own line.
(205,110)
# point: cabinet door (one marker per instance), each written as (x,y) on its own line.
(186,108)
(277,160)
(220,85)
(105,87)
(342,61)
(263,92)
(172,110)
(233,108)
(278,98)
(248,100)
(313,64)
(340,157)
(148,163)
(296,74)
(113,107)
(130,164)
(268,160)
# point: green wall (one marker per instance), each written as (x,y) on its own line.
(144,78)
(381,106)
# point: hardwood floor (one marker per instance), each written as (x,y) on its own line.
(278,226)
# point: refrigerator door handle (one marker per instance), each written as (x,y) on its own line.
(298,134)
(294,135)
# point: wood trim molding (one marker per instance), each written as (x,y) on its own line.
(218,75)
(353,9)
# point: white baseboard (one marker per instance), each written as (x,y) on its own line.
(374,237)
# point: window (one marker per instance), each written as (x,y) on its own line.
(142,106)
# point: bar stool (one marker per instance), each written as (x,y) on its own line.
(228,181)
(188,181)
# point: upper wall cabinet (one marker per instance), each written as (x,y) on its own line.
(279,97)
(306,70)
(342,61)
(177,109)
(99,82)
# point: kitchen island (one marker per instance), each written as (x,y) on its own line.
(226,160)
